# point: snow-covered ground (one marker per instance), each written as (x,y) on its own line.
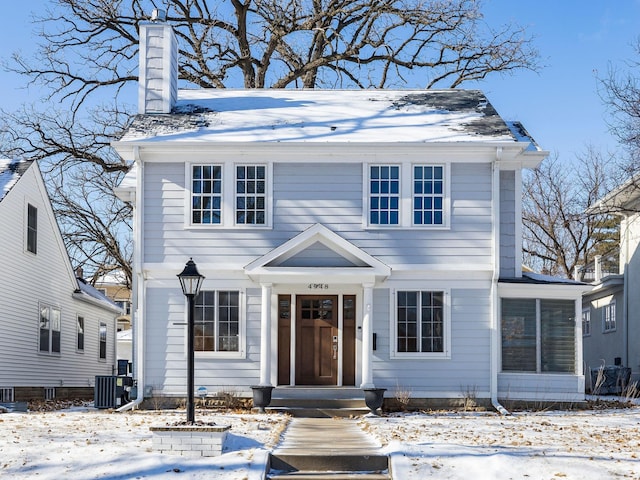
(84,443)
(585,445)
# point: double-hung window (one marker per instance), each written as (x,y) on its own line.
(251,188)
(422,324)
(609,317)
(217,321)
(384,195)
(229,195)
(407,195)
(538,335)
(428,195)
(206,194)
(49,329)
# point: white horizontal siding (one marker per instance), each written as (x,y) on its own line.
(28,280)
(165,343)
(330,194)
(507,224)
(468,366)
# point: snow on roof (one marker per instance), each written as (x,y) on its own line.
(269,115)
(97,295)
(10,172)
(539,278)
(125,335)
(115,277)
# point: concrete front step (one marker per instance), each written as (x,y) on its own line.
(362,467)
(319,407)
(329,476)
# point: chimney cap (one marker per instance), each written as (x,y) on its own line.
(158,15)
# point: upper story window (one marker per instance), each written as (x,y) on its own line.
(609,317)
(206,194)
(251,188)
(32,228)
(230,195)
(384,195)
(428,195)
(422,324)
(407,195)
(49,329)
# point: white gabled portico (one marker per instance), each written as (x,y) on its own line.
(317,258)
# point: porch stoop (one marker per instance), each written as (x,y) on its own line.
(318,402)
(323,448)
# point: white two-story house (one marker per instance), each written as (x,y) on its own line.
(349,239)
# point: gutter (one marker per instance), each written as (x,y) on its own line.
(138,289)
(495,341)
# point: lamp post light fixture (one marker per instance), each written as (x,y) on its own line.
(190,281)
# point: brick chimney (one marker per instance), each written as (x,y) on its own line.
(158,73)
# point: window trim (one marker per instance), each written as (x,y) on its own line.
(613,322)
(31,230)
(586,321)
(50,309)
(80,349)
(101,341)
(228,196)
(538,341)
(242,335)
(406,212)
(446,342)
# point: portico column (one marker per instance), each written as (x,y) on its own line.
(265,336)
(367,338)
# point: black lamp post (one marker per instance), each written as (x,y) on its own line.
(190,281)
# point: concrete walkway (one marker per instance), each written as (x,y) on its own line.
(326,436)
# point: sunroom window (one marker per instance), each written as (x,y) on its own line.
(538,335)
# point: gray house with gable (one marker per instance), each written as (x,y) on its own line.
(349,239)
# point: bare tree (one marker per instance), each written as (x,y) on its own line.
(88,53)
(621,94)
(558,233)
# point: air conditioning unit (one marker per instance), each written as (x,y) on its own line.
(111,391)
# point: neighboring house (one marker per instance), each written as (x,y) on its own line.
(611,310)
(56,332)
(349,239)
(115,286)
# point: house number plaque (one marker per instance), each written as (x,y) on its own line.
(318,286)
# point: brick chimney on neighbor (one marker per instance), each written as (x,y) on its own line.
(158,72)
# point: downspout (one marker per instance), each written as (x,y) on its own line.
(138,287)
(625,293)
(495,230)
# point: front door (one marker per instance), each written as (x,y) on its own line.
(317,340)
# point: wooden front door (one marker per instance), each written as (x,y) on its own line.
(317,340)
